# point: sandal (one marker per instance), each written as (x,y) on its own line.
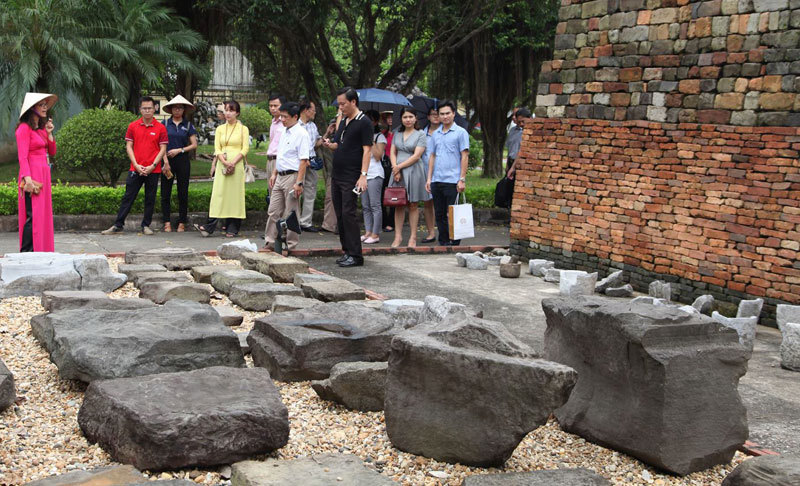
(230,235)
(202,230)
(167,228)
(181,228)
(429,240)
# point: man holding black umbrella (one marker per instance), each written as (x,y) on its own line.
(351,145)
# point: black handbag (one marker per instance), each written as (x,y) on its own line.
(504,193)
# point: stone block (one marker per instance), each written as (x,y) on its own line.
(229,316)
(161,292)
(286,303)
(203,273)
(317,470)
(614,279)
(632,361)
(474,262)
(132,270)
(537,267)
(8,393)
(729,101)
(790,346)
(744,326)
(333,291)
(150,277)
(356,385)
(301,278)
(108,475)
(624,291)
(90,344)
(552,275)
(575,283)
(225,280)
(776,101)
(97,275)
(437,309)
(260,296)
(460,260)
(170,258)
(24,274)
(560,477)
(783,470)
(476,373)
(770,5)
(787,313)
(704,304)
(57,300)
(750,308)
(660,290)
(172,420)
(232,250)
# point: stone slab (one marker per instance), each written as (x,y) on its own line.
(132,270)
(286,303)
(161,292)
(301,278)
(232,250)
(90,344)
(557,477)
(148,277)
(8,393)
(317,470)
(356,385)
(260,296)
(333,291)
(633,361)
(278,267)
(170,258)
(57,300)
(202,273)
(230,317)
(102,476)
(223,281)
(783,470)
(206,417)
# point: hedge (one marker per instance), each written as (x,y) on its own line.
(69,199)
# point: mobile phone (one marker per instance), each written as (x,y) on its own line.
(357,191)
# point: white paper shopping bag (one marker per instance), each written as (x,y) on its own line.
(459,218)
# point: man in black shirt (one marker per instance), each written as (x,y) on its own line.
(351,145)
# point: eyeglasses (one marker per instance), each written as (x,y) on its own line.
(43,104)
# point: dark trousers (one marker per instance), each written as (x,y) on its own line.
(345,205)
(27,230)
(133,185)
(444,194)
(181,171)
(230,225)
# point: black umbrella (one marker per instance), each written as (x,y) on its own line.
(423,105)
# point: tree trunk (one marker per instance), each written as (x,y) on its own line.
(493,131)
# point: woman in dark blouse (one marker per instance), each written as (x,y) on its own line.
(182,140)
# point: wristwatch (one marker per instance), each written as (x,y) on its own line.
(363,173)
(462,179)
(182,150)
(298,183)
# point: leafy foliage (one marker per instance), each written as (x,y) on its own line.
(94,142)
(256,120)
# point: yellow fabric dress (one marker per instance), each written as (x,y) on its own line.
(227,194)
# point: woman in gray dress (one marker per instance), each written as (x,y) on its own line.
(408,146)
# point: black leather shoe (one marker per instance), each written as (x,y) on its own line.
(342,258)
(310,229)
(352,261)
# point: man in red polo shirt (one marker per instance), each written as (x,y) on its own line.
(146,142)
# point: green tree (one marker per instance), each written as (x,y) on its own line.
(93,142)
(497,67)
(48,46)
(256,120)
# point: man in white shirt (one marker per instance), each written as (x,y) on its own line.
(307,113)
(286,181)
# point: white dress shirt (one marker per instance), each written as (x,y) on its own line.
(292,147)
(313,135)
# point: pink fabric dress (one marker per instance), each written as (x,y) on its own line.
(33,147)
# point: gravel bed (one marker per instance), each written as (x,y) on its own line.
(39,436)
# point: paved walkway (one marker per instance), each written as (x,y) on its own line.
(94,242)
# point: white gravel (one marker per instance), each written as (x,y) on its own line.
(39,436)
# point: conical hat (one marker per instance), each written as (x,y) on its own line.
(33,99)
(178,100)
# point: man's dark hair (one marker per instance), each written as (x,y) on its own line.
(233,105)
(145,99)
(373,115)
(306,105)
(291,108)
(276,96)
(349,93)
(524,113)
(447,103)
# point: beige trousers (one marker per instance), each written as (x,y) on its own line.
(282,202)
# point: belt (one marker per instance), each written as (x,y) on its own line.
(287,172)
(271,157)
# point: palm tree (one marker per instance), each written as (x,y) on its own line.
(103,51)
(163,46)
(45,45)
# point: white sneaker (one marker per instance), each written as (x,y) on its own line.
(146,230)
(111,231)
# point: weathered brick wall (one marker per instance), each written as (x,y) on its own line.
(714,209)
(717,61)
(667,144)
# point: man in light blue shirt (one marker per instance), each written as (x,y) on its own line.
(447,168)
